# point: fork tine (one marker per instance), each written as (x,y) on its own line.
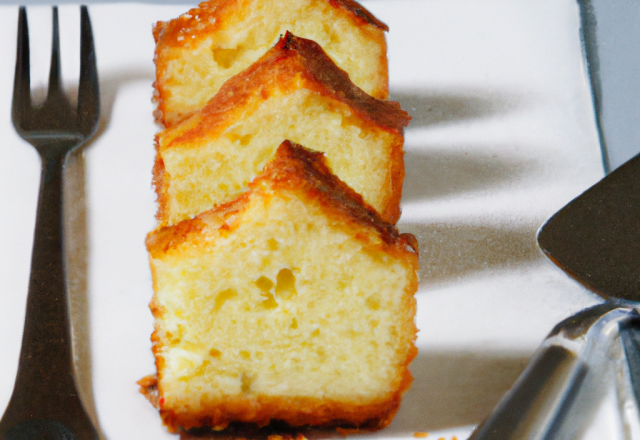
(55,86)
(21,107)
(89,91)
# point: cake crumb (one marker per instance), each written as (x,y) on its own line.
(420,434)
(149,389)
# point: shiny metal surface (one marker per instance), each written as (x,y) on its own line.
(562,386)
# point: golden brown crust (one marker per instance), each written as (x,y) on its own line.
(295,411)
(166,238)
(360,12)
(291,64)
(293,168)
(206,18)
(249,431)
(160,181)
(326,74)
(392,210)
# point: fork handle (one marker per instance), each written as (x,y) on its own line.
(46,374)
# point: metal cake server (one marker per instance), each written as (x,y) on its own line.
(596,240)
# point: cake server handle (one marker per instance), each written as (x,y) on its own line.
(562,384)
(546,386)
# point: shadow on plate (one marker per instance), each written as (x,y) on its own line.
(77,241)
(77,253)
(452,389)
(428,109)
(433,174)
(452,251)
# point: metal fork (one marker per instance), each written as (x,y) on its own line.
(45,403)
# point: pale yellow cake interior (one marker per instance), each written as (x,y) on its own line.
(288,304)
(205,172)
(201,69)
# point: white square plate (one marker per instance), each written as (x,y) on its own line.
(502,136)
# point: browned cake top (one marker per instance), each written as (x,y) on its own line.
(204,19)
(292,63)
(294,168)
(359,11)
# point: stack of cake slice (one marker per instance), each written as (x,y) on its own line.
(282,289)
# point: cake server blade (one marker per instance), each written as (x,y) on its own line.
(596,237)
